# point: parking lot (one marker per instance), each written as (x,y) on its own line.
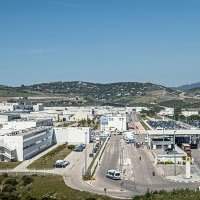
(167,125)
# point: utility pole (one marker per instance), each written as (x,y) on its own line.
(85,153)
(163,138)
(122,123)
(174,153)
(174,142)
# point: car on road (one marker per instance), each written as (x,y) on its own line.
(79,148)
(113,174)
(61,164)
(97,139)
(95,150)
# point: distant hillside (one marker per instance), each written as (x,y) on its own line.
(85,93)
(97,89)
(189,86)
(193,92)
(117,93)
(6,91)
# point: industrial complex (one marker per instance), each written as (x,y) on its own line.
(118,145)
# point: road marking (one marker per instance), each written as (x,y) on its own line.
(127,161)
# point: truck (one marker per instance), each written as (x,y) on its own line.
(129,137)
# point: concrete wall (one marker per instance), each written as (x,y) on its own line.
(72,135)
(114,122)
(171,132)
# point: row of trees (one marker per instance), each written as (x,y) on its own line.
(89,123)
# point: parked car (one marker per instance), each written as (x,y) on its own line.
(97,145)
(78,148)
(83,145)
(61,164)
(95,150)
(113,174)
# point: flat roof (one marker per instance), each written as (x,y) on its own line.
(28,131)
(10,114)
(173,132)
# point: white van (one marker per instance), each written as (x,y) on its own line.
(113,174)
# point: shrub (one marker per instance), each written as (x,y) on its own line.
(11,181)
(8,188)
(27,180)
(71,147)
(5,175)
(9,196)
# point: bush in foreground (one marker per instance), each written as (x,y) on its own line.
(174,195)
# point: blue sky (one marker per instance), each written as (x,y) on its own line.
(99,41)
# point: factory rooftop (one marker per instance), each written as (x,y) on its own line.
(28,131)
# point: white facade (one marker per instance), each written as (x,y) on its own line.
(20,125)
(113,122)
(6,117)
(188,113)
(72,135)
(8,107)
(41,115)
(38,107)
(24,144)
(167,111)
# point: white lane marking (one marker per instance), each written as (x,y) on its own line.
(127,161)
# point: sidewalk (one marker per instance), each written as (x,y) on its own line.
(23,166)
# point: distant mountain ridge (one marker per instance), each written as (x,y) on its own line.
(189,86)
(79,87)
(88,93)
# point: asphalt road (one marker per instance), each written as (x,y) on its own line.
(137,174)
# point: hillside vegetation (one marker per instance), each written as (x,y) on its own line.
(117,94)
(40,188)
(121,93)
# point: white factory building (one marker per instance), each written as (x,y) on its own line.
(24,124)
(72,135)
(24,144)
(6,117)
(166,111)
(8,107)
(113,123)
(188,113)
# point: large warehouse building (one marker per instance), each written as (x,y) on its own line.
(72,135)
(113,122)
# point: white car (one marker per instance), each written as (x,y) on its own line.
(113,174)
(61,164)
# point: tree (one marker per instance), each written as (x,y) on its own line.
(27,180)
(11,181)
(8,188)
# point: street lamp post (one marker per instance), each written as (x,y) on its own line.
(163,139)
(85,153)
(174,154)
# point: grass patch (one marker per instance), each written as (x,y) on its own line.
(55,185)
(9,165)
(41,188)
(47,161)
